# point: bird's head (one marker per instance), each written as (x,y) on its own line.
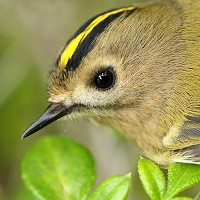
(106,68)
(88,78)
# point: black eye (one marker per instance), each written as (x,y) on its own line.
(105,79)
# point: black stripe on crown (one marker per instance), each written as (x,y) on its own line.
(88,43)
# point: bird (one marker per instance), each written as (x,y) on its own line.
(137,70)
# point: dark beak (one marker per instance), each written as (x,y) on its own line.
(53,112)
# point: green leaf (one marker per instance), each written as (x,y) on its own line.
(114,188)
(152,179)
(181,198)
(180,177)
(57,168)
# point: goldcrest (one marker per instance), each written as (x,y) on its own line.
(136,69)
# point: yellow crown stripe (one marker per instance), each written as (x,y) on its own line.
(72,46)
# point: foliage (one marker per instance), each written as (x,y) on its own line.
(58,168)
(180,177)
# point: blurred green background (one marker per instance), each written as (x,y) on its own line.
(31,35)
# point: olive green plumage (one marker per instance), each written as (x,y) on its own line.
(140,74)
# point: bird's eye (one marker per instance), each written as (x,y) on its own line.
(105,79)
